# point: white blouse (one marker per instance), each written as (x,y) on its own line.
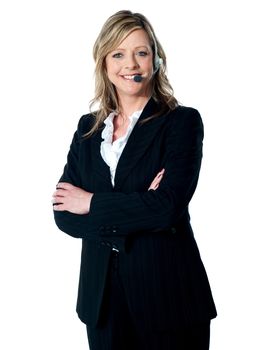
(111,151)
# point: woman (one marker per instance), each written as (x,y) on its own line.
(131,172)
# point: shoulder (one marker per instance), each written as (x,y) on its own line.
(85,124)
(183,117)
(188,114)
(183,123)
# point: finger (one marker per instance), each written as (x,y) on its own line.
(161,172)
(157,179)
(154,182)
(156,185)
(159,175)
(153,187)
(60,193)
(59,207)
(64,186)
(57,200)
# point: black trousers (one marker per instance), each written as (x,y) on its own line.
(118,331)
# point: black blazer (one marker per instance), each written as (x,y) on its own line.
(166,283)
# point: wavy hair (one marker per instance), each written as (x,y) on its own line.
(114,31)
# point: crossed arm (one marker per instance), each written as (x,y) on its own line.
(77,201)
(159,208)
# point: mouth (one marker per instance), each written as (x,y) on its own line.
(130,76)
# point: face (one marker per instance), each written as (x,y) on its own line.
(134,56)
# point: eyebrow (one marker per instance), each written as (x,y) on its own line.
(137,47)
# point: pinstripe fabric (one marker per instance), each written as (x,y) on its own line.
(119,330)
(164,280)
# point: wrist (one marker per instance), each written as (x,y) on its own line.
(89,198)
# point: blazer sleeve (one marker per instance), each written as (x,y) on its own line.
(118,214)
(73,224)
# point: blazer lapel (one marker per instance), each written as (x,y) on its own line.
(139,140)
(100,169)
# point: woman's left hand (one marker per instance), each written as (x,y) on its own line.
(155,183)
(71,198)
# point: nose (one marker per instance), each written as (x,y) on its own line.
(131,62)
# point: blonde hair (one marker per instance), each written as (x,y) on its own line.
(113,32)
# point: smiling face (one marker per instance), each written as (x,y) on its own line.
(132,57)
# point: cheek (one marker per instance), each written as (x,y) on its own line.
(147,65)
(107,66)
(111,66)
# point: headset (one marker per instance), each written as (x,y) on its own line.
(157,63)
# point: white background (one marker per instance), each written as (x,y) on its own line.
(46,77)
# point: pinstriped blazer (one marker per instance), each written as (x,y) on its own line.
(165,280)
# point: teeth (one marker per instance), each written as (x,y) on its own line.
(129,77)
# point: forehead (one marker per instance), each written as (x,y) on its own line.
(136,38)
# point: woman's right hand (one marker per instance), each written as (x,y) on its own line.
(155,183)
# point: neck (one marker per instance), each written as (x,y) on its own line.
(130,104)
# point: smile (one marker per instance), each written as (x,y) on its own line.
(129,77)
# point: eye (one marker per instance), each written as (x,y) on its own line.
(117,55)
(142,53)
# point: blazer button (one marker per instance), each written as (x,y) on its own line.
(173,230)
(102,228)
(114,229)
(108,229)
(115,247)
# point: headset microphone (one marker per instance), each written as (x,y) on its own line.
(138,78)
(157,63)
